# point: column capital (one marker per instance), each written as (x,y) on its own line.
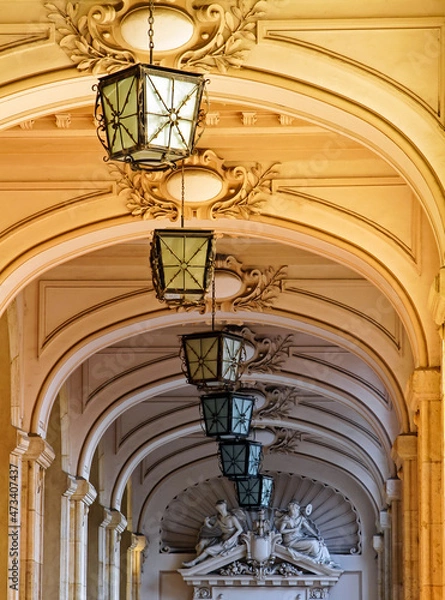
(114,519)
(436,299)
(393,488)
(378,543)
(22,443)
(39,451)
(404,448)
(423,385)
(384,520)
(138,542)
(80,489)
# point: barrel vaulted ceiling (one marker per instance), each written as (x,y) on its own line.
(328,245)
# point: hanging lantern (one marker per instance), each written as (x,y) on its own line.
(212,358)
(148,115)
(182,263)
(240,458)
(227,414)
(254,492)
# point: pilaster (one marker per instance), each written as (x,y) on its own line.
(135,561)
(76,502)
(405,457)
(393,498)
(38,457)
(111,528)
(14,552)
(425,397)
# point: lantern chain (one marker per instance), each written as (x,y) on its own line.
(151,21)
(213,302)
(182,193)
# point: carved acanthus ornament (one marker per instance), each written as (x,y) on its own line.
(260,571)
(231,39)
(86,37)
(259,290)
(270,354)
(280,401)
(243,190)
(141,192)
(286,441)
(253,187)
(225,33)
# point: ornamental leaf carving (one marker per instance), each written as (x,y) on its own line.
(270,354)
(259,290)
(139,188)
(286,441)
(83,37)
(254,186)
(265,292)
(232,38)
(280,401)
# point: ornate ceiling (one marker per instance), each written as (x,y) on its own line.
(305,189)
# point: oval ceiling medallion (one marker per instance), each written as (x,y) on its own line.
(172,29)
(227,284)
(200,185)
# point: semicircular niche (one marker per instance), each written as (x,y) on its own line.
(332,513)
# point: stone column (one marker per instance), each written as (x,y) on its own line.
(385,526)
(405,457)
(14,514)
(393,497)
(425,399)
(74,538)
(110,532)
(379,546)
(135,561)
(36,460)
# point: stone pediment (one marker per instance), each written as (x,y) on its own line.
(235,569)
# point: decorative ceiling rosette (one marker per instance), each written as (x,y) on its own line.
(194,35)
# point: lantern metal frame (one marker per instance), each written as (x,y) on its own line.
(254,492)
(182,264)
(148,115)
(212,359)
(240,458)
(227,414)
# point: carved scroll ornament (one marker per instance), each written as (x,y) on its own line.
(86,37)
(231,39)
(244,189)
(280,401)
(225,33)
(270,354)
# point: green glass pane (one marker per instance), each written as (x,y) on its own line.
(241,415)
(119,102)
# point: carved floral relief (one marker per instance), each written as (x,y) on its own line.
(243,189)
(224,34)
